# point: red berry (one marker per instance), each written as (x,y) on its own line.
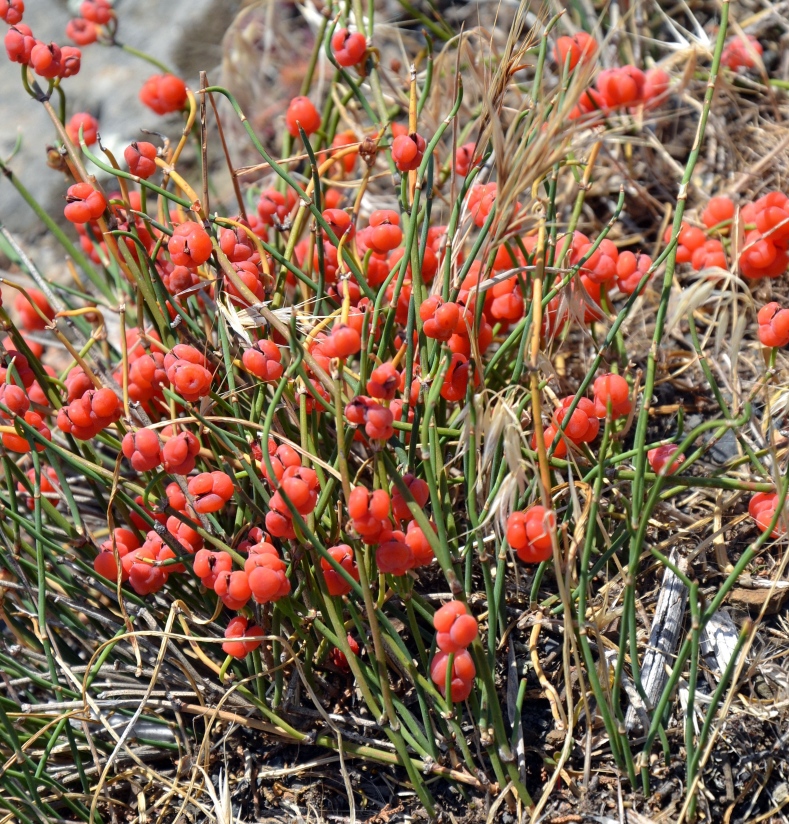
(773,325)
(349,49)
(19,43)
(455,628)
(70,62)
(81,31)
(612,389)
(179,453)
(141,158)
(529,533)
(301,112)
(664,459)
(407,151)
(462,675)
(190,245)
(335,583)
(11,11)
(211,491)
(741,53)
(142,449)
(164,93)
(84,203)
(580,47)
(385,233)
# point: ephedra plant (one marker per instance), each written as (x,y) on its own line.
(337,463)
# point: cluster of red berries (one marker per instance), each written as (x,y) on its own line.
(47,60)
(456,630)
(94,14)
(761,508)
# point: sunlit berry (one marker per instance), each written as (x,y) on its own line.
(530,532)
(164,93)
(335,583)
(462,674)
(70,62)
(141,158)
(84,203)
(385,233)
(90,131)
(302,113)
(407,151)
(580,47)
(179,453)
(211,491)
(664,459)
(190,245)
(773,325)
(420,492)
(393,556)
(630,269)
(612,389)
(741,53)
(455,628)
(19,43)
(142,449)
(11,11)
(82,31)
(348,48)
(583,425)
(237,628)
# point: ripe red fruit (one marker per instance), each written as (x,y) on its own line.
(335,583)
(773,325)
(369,512)
(28,316)
(455,628)
(84,203)
(273,207)
(440,319)
(718,210)
(45,59)
(385,233)
(465,159)
(70,61)
(190,245)
(85,417)
(208,566)
(337,656)
(614,389)
(146,377)
(187,373)
(343,342)
(739,53)
(19,43)
(480,201)
(239,627)
(772,217)
(81,31)
(419,544)
(657,83)
(266,572)
(384,382)
(211,491)
(664,459)
(457,378)
(581,47)
(529,533)
(761,258)
(164,93)
(263,360)
(420,492)
(462,676)
(602,264)
(14,399)
(623,86)
(630,268)
(583,425)
(407,151)
(349,49)
(708,255)
(141,158)
(90,130)
(16,443)
(11,11)
(301,486)
(179,453)
(762,508)
(301,112)
(142,449)
(97,11)
(49,486)
(393,555)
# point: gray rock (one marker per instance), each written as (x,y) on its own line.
(184,34)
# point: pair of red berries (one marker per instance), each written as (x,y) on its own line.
(456,630)
(348,48)
(376,419)
(164,93)
(773,325)
(530,533)
(84,203)
(408,151)
(186,370)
